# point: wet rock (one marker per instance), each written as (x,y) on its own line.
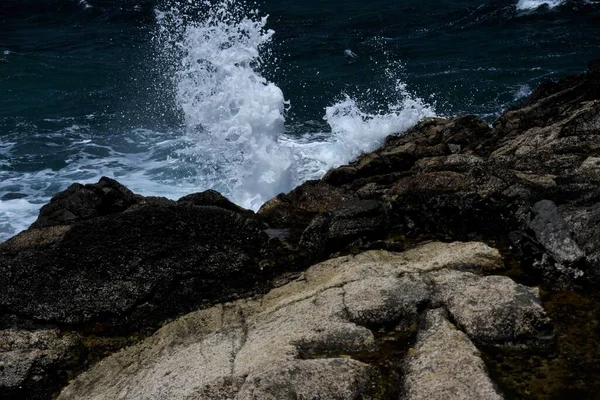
(444,364)
(315,197)
(361,219)
(302,340)
(213,198)
(130,270)
(79,202)
(460,179)
(585,223)
(554,234)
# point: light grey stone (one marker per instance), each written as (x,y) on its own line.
(492,309)
(296,341)
(444,364)
(310,379)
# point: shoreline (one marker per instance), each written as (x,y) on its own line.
(103,269)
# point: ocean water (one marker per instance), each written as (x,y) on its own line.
(252,98)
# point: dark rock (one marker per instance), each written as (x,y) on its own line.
(213,198)
(356,219)
(315,236)
(341,175)
(34,364)
(295,211)
(460,179)
(554,234)
(585,223)
(81,202)
(330,232)
(594,66)
(129,270)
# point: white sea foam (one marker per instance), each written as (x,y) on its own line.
(522,92)
(15,216)
(84,4)
(354,131)
(233,114)
(233,137)
(534,4)
(235,117)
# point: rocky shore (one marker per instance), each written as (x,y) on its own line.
(460,260)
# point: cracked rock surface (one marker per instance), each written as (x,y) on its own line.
(302,340)
(104,268)
(446,365)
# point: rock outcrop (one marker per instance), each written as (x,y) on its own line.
(32,361)
(306,339)
(460,258)
(109,266)
(103,257)
(445,364)
(460,179)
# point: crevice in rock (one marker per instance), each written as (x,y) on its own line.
(392,343)
(566,367)
(346,311)
(244,338)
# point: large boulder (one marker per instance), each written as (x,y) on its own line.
(320,336)
(102,258)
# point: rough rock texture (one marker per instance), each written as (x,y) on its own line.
(351,220)
(297,341)
(127,269)
(80,202)
(102,261)
(445,364)
(552,231)
(460,179)
(103,268)
(32,361)
(492,309)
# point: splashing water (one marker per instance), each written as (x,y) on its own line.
(534,4)
(354,131)
(232,113)
(232,134)
(522,92)
(234,117)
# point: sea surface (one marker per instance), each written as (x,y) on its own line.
(253,98)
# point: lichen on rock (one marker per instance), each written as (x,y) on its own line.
(298,340)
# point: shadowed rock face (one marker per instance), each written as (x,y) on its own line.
(459,179)
(127,262)
(294,342)
(81,202)
(35,360)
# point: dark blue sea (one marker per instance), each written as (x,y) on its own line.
(251,99)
